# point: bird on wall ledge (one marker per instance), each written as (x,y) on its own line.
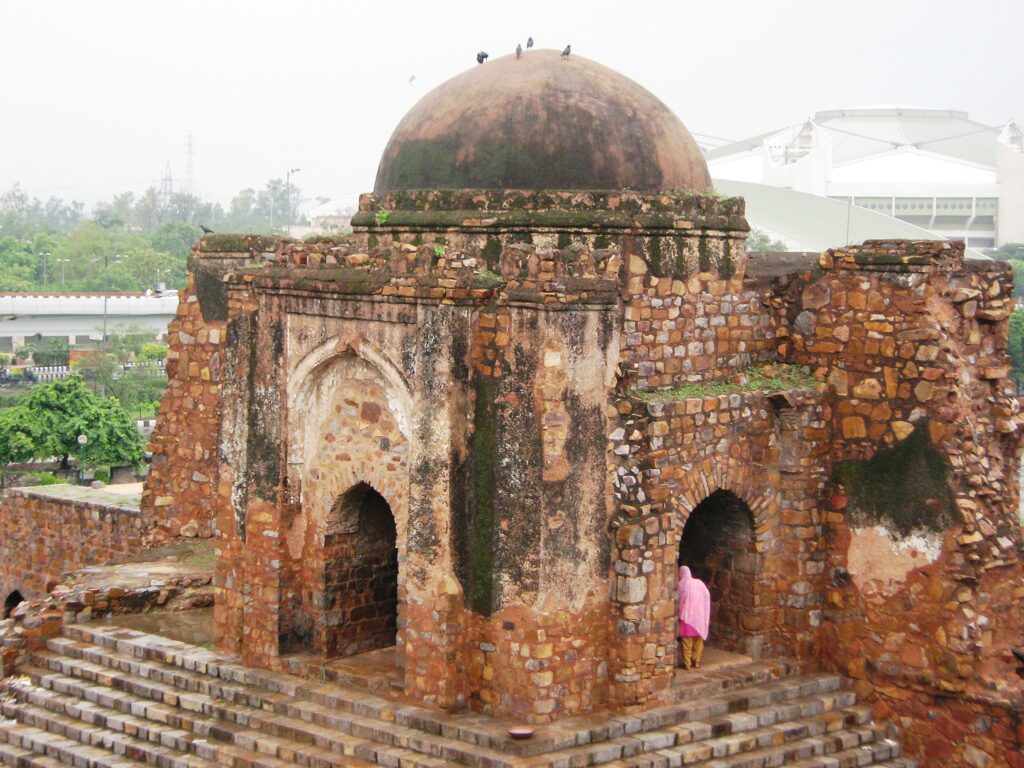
(519,51)
(482,57)
(566,52)
(529,43)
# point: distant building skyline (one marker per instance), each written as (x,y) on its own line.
(934,168)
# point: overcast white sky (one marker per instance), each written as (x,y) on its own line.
(97,97)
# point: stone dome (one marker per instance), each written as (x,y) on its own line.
(541,122)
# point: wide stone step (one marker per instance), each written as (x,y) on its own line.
(196,670)
(169,748)
(171,662)
(702,741)
(759,696)
(20,757)
(325,710)
(189,677)
(160,691)
(30,747)
(700,684)
(867,745)
(252,729)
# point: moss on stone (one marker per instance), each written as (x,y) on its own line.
(485,278)
(211,291)
(236,242)
(479,555)
(765,378)
(682,268)
(905,488)
(654,256)
(492,251)
(726,268)
(703,255)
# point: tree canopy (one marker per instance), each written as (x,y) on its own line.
(128,243)
(759,242)
(49,421)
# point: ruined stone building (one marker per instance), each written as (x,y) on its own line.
(542,373)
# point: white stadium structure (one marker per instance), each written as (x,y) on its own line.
(932,168)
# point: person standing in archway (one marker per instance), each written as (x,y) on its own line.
(694,617)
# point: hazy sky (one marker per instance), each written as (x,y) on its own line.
(97,97)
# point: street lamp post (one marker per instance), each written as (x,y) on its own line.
(45,255)
(106,284)
(62,262)
(288,199)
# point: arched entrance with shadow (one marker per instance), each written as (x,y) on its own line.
(360,587)
(718,546)
(13,601)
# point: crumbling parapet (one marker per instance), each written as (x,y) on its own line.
(183,473)
(925,555)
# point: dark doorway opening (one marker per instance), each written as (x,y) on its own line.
(13,601)
(718,546)
(360,610)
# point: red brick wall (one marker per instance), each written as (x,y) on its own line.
(671,457)
(45,536)
(183,473)
(905,332)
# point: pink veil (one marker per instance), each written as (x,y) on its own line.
(694,602)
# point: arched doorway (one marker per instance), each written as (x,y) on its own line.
(360,587)
(718,546)
(13,601)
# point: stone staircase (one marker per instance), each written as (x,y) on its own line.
(101,697)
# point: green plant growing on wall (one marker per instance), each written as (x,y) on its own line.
(485,278)
(439,251)
(381,217)
(771,378)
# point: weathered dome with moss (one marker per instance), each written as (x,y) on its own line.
(541,122)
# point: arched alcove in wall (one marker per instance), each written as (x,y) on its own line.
(14,599)
(348,458)
(718,546)
(360,574)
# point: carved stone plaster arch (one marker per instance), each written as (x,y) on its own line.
(335,480)
(309,369)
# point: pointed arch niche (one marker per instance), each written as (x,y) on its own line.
(348,480)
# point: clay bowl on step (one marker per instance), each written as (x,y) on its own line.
(520,731)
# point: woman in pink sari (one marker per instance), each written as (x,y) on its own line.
(694,616)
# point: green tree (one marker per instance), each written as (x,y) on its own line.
(52,419)
(1015,346)
(105,259)
(175,238)
(759,242)
(1018,276)
(23,217)
(153,351)
(1008,251)
(54,352)
(17,266)
(20,435)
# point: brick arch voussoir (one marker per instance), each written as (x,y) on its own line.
(761,500)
